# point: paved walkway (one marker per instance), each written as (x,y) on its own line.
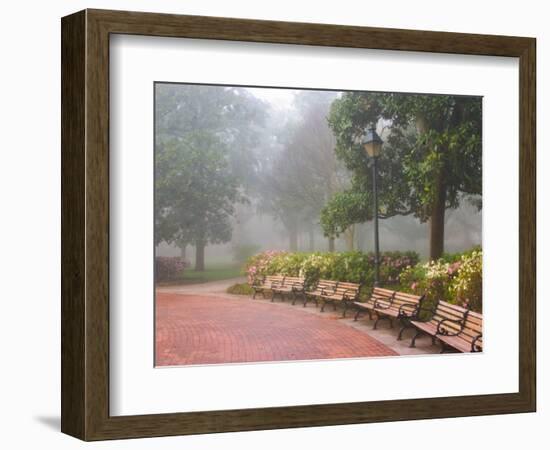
(202,324)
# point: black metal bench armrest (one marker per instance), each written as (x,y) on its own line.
(417,318)
(311,288)
(442,331)
(412,312)
(475,347)
(379,305)
(258,281)
(324,291)
(354,296)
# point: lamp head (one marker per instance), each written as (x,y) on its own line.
(372,143)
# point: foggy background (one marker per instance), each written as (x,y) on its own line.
(282,147)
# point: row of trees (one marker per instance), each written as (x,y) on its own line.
(221,147)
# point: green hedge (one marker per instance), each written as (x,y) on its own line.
(355,267)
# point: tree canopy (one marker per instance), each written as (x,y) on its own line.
(203,150)
(431,158)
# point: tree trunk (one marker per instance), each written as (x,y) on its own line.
(437,217)
(437,220)
(293,240)
(311,235)
(331,244)
(199,256)
(183,252)
(349,235)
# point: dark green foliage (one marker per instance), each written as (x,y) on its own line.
(169,268)
(431,158)
(240,289)
(202,151)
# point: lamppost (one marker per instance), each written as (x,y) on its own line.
(372,143)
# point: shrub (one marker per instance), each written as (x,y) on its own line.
(356,267)
(454,278)
(467,286)
(169,268)
(240,289)
(260,264)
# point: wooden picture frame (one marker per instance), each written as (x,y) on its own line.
(85,224)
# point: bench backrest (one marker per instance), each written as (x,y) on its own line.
(268,279)
(350,290)
(444,310)
(473,328)
(403,298)
(386,298)
(326,284)
(381,296)
(289,281)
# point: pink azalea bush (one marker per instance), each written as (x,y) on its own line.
(259,265)
(455,278)
(357,267)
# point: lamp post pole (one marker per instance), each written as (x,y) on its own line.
(372,143)
(375,217)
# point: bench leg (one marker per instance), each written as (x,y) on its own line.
(400,335)
(345,309)
(379,318)
(306,298)
(404,325)
(254,295)
(416,336)
(445,348)
(333,306)
(433,340)
(323,306)
(357,314)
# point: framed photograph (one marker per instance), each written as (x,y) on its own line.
(272,225)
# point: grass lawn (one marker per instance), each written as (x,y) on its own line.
(213,272)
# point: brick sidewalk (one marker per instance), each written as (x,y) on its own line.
(195,329)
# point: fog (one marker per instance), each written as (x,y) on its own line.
(275,152)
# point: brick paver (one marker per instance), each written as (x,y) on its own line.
(195,329)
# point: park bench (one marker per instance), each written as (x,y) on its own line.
(266,283)
(317,289)
(343,293)
(468,339)
(293,286)
(390,305)
(444,319)
(377,295)
(400,306)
